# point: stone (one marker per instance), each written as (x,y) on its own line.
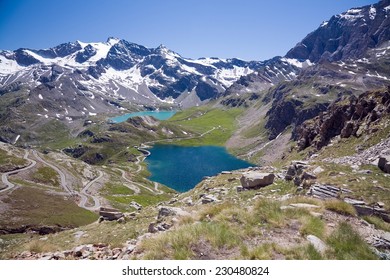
(386,236)
(308,176)
(136,205)
(326,191)
(291,172)
(318,244)
(318,170)
(303,205)
(46,257)
(382,241)
(164,211)
(297,181)
(384,163)
(129,249)
(152,228)
(380,204)
(165,226)
(255,179)
(59,256)
(316,214)
(284,207)
(172,201)
(209,199)
(110,213)
(354,201)
(100,245)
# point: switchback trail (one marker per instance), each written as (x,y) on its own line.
(84,195)
(63,183)
(4,176)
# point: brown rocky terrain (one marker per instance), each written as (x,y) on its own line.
(349,117)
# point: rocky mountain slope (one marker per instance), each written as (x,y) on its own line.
(346,36)
(350,117)
(348,55)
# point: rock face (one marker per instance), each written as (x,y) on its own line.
(255,179)
(346,118)
(287,111)
(346,36)
(384,163)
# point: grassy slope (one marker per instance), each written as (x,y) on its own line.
(9,162)
(32,206)
(203,119)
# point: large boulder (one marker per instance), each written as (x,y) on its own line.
(384,163)
(110,214)
(255,179)
(165,211)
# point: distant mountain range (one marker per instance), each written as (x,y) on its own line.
(124,71)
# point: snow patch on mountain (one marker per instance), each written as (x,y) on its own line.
(372,13)
(8,66)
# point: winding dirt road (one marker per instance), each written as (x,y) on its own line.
(132,186)
(4,176)
(84,195)
(63,183)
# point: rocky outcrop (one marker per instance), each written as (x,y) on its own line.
(327,191)
(348,117)
(296,173)
(287,110)
(364,209)
(41,230)
(367,156)
(254,179)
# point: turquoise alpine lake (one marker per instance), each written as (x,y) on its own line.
(181,168)
(160,115)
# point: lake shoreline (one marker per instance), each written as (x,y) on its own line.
(183,167)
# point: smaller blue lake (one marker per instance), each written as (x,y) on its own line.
(182,168)
(160,115)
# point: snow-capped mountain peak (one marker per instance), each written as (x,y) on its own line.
(121,69)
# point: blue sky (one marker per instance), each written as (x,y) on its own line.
(247,29)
